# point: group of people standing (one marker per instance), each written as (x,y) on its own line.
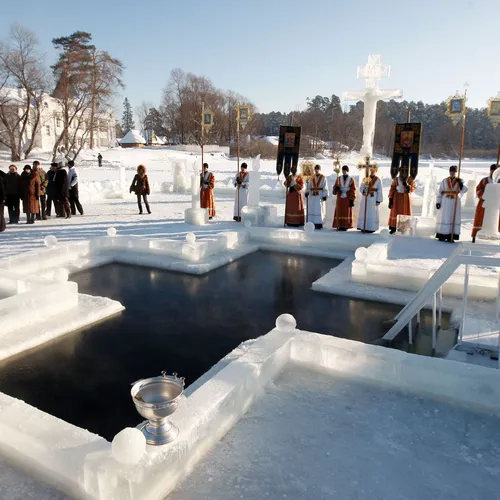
(344,189)
(448,205)
(241,182)
(38,191)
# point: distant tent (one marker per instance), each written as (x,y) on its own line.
(133,139)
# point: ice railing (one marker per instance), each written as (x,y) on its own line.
(467,254)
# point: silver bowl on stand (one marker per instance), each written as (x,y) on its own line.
(156,399)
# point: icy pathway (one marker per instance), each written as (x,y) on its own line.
(316,436)
(166,221)
(17,485)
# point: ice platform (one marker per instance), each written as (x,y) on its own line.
(348,439)
(359,420)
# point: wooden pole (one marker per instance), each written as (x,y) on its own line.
(498,156)
(460,155)
(202,133)
(409,115)
(307,199)
(202,145)
(238,155)
(367,192)
(286,203)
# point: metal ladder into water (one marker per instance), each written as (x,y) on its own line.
(464,253)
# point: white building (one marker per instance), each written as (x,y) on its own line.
(51,122)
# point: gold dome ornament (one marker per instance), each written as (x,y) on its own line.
(336,166)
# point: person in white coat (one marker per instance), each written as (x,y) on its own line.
(316,194)
(241,181)
(74,198)
(371,198)
(449,207)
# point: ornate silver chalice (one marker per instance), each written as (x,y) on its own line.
(156,399)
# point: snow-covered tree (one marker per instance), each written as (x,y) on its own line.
(128,116)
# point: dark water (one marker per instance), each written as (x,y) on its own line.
(178,323)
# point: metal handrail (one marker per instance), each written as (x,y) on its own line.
(462,254)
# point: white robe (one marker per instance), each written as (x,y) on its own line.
(444,216)
(243,193)
(372,216)
(316,207)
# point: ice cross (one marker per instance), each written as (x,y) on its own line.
(373,72)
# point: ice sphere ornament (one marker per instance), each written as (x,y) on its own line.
(361,253)
(50,241)
(61,274)
(309,227)
(190,238)
(128,446)
(111,231)
(286,323)
(385,233)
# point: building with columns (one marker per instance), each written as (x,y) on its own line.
(51,122)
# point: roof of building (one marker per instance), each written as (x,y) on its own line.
(133,137)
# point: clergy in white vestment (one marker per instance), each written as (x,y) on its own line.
(371,198)
(316,194)
(241,181)
(449,207)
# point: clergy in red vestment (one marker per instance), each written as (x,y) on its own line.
(294,205)
(478,218)
(207,184)
(400,197)
(345,190)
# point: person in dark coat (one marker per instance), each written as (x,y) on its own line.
(13,194)
(140,186)
(62,192)
(30,188)
(3,175)
(51,189)
(99,159)
(42,176)
(74,199)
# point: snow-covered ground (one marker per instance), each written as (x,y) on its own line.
(107,203)
(317,436)
(99,186)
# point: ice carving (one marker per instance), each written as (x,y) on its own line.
(111,231)
(128,446)
(309,227)
(190,238)
(361,253)
(50,241)
(286,323)
(373,72)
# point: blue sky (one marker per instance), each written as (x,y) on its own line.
(278,52)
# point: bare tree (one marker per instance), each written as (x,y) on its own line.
(22,83)
(174,103)
(141,112)
(73,74)
(106,77)
(182,104)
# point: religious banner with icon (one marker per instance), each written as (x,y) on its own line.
(455,107)
(494,110)
(208,119)
(243,115)
(307,169)
(406,149)
(288,150)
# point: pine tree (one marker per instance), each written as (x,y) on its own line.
(127,118)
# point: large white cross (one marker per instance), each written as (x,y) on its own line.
(372,73)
